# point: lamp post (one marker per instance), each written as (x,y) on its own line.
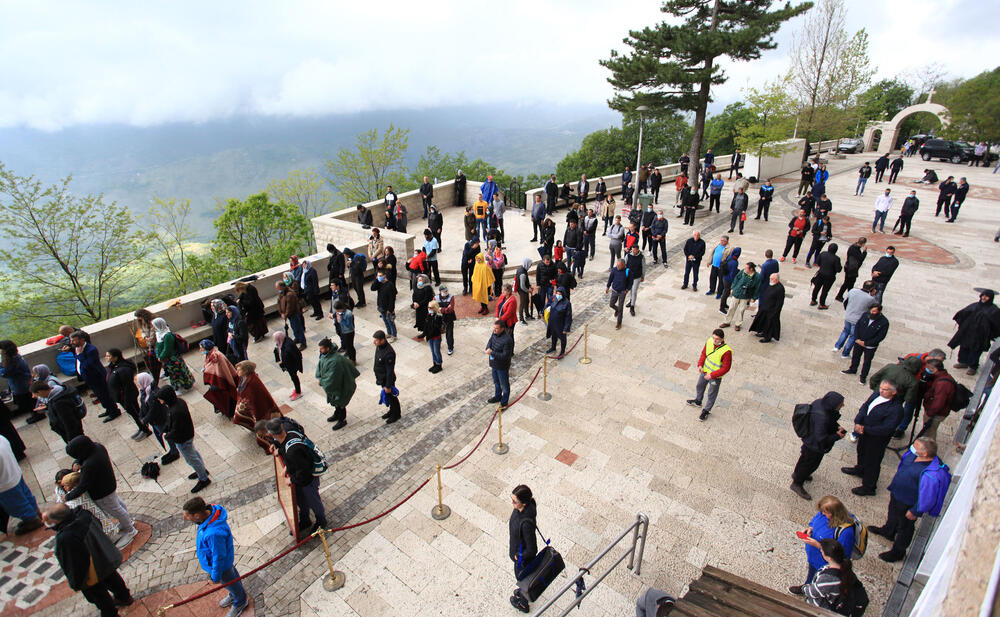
(638,154)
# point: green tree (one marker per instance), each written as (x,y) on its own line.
(673,65)
(67,257)
(444,166)
(361,174)
(438,166)
(720,129)
(771,109)
(975,108)
(304,188)
(171,238)
(256,233)
(884,100)
(608,151)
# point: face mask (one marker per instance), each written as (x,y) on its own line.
(888,254)
(381,279)
(928,371)
(420,284)
(430,312)
(649,209)
(659,216)
(558,296)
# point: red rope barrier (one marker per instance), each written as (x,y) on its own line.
(567,352)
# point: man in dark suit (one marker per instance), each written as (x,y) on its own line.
(551,194)
(876,421)
(310,287)
(582,189)
(426,194)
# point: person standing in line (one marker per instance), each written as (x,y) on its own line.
(883,203)
(297,455)
(715,268)
(635,267)
(738,207)
(546,274)
(337,376)
(446,302)
(358,265)
(658,237)
(822,231)
(290,309)
(431,332)
(655,180)
(881,164)
(766,269)
(309,281)
(237,337)
(590,234)
(500,349)
(824,432)
(385,376)
(469,252)
(910,206)
(864,172)
(537,216)
(937,399)
(829,267)
(715,361)
(766,194)
(253,401)
(92,372)
(883,270)
(385,301)
(735,165)
(895,167)
(506,309)
(978,324)
(551,189)
(715,192)
(856,254)
(343,318)
(88,558)
(560,320)
(218,374)
(600,195)
(690,207)
(961,191)
(694,251)
(874,425)
(919,486)
(766,323)
(730,269)
(431,249)
(582,190)
(522,548)
(946,190)
(97,480)
(868,333)
(15,371)
(179,432)
(289,360)
(744,289)
(426,195)
(498,206)
(479,210)
(797,228)
(806,178)
(215,550)
(62,404)
(16,498)
(856,305)
(460,182)
(469,223)
(121,385)
(618,283)
(616,239)
(482,284)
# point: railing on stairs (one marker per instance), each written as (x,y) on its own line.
(638,530)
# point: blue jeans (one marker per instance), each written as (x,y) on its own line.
(810,574)
(166,443)
(846,340)
(482,229)
(389,319)
(435,344)
(236,591)
(192,458)
(860,189)
(19,502)
(879,220)
(298,325)
(908,409)
(501,384)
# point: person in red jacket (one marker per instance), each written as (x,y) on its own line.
(715,361)
(507,309)
(937,398)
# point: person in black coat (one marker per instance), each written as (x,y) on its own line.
(298,460)
(180,431)
(289,359)
(868,333)
(910,206)
(435,222)
(522,547)
(829,267)
(694,251)
(824,432)
(97,479)
(945,192)
(82,550)
(883,270)
(385,375)
(856,254)
(978,325)
(874,425)
(469,252)
(460,181)
(356,267)
(767,322)
(62,408)
(220,324)
(881,164)
(121,384)
(310,287)
(423,293)
(337,265)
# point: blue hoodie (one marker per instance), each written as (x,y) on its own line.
(934,482)
(732,266)
(214,544)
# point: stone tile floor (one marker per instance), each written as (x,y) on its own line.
(716,492)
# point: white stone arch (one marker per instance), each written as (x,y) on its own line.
(890,129)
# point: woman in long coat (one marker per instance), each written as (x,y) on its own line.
(252,308)
(221,378)
(289,359)
(253,401)
(767,323)
(238,336)
(170,357)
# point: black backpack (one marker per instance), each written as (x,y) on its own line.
(854,603)
(801,417)
(961,399)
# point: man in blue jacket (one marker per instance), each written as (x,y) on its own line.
(500,349)
(619,283)
(715,265)
(874,425)
(214,546)
(920,485)
(93,373)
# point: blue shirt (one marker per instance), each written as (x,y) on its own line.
(716,186)
(347,322)
(431,245)
(717,256)
(821,530)
(906,483)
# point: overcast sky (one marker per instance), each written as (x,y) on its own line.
(72,63)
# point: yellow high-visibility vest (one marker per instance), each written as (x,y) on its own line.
(713,356)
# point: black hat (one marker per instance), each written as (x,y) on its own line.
(985,291)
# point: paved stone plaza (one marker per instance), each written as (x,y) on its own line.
(615,439)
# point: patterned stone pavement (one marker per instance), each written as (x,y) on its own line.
(615,439)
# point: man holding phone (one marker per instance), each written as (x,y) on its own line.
(823,433)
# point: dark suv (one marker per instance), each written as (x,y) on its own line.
(944,150)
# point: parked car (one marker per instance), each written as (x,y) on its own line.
(920,139)
(851,145)
(944,150)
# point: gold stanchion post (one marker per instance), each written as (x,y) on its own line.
(335,579)
(586,335)
(440,511)
(500,447)
(544,394)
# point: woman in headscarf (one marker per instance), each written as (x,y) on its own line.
(289,358)
(41,372)
(252,308)
(153,413)
(423,293)
(482,281)
(496,260)
(15,370)
(253,402)
(146,338)
(221,378)
(238,336)
(121,384)
(220,324)
(170,357)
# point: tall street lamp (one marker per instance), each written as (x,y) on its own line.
(638,154)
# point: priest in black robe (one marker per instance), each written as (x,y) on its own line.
(767,323)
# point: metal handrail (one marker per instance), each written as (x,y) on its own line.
(639,529)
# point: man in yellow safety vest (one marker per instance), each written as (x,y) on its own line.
(715,361)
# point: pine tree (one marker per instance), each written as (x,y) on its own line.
(672,66)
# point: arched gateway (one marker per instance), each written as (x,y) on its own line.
(890,129)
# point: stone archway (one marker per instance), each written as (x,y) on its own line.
(890,128)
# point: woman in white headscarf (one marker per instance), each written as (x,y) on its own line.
(169,355)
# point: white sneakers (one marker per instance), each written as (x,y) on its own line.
(126,538)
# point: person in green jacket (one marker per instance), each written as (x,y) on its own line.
(336,375)
(181,379)
(744,290)
(906,375)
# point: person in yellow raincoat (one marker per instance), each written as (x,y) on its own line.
(482,281)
